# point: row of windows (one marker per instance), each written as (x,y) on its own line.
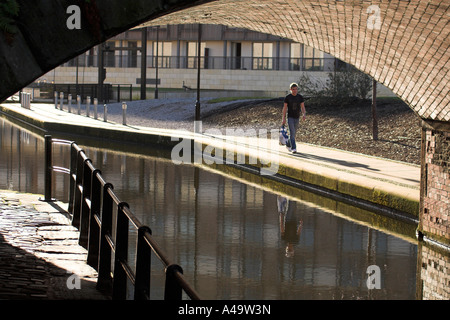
(262,57)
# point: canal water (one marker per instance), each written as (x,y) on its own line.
(234,240)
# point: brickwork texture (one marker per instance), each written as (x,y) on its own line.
(434,274)
(435,197)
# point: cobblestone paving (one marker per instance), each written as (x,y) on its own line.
(39,254)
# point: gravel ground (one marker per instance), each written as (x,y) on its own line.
(169,113)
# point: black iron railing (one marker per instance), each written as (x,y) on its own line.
(104,221)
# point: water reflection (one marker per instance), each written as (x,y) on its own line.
(290,224)
(234,240)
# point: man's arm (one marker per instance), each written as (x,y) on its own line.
(284,113)
(303,110)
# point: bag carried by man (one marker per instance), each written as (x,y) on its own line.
(284,137)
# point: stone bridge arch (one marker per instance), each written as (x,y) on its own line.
(401,44)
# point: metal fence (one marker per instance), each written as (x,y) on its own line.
(104,223)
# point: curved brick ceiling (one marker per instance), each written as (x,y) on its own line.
(408,53)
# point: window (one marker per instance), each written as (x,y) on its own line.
(295,56)
(262,55)
(303,57)
(164,53)
(191,49)
(313,59)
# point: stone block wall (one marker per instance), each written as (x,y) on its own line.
(274,83)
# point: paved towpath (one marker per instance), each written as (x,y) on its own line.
(39,255)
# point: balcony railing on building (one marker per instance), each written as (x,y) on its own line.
(220,63)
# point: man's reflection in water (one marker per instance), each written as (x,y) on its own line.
(290,224)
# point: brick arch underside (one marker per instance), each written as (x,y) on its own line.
(409,53)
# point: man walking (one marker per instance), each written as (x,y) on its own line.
(293,104)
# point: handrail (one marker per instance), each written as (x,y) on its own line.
(92,202)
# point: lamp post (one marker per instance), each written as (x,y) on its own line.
(156,80)
(197,103)
(144,64)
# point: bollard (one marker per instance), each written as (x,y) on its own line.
(88,105)
(28,100)
(79,104)
(105,113)
(95,108)
(56,100)
(124,113)
(61,100)
(48,168)
(25,100)
(69,103)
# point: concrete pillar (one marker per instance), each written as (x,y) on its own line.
(434,218)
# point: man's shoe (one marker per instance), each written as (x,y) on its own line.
(294,150)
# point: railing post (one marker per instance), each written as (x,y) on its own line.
(78,190)
(120,276)
(94,227)
(104,281)
(73,173)
(173,290)
(85,204)
(143,266)
(48,168)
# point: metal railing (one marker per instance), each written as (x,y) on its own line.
(104,222)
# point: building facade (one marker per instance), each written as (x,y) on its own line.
(230,59)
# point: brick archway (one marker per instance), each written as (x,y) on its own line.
(403,45)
